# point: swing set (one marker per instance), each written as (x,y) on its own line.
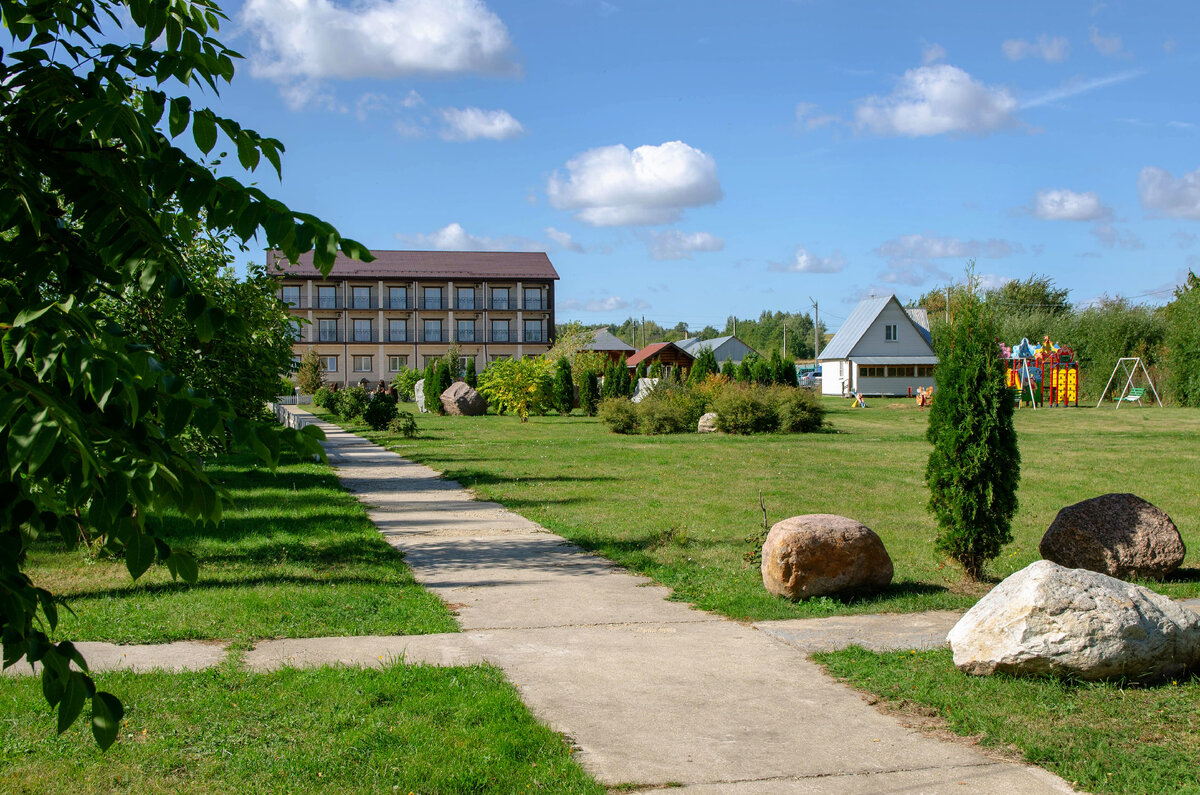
(1129,393)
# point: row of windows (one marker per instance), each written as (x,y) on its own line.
(903,371)
(363,330)
(331,297)
(396,363)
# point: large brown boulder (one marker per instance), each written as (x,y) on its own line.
(462,400)
(821,553)
(1120,535)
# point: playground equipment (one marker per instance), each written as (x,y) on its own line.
(1134,394)
(1047,375)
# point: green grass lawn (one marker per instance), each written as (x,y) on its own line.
(407,729)
(680,508)
(294,557)
(1101,737)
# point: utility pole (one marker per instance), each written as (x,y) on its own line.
(947,303)
(816,330)
(643,331)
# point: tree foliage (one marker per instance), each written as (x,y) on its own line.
(522,386)
(975,466)
(564,387)
(1183,342)
(704,366)
(92,188)
(310,372)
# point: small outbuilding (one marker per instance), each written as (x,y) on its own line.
(612,346)
(668,354)
(881,349)
(728,348)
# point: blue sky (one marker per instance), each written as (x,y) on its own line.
(689,160)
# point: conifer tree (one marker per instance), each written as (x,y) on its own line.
(624,385)
(564,387)
(470,376)
(745,371)
(729,370)
(641,371)
(589,395)
(433,400)
(975,464)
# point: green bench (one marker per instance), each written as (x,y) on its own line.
(1135,395)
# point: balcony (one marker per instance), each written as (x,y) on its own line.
(468,304)
(359,302)
(536,305)
(397,303)
(399,336)
(327,303)
(466,335)
(502,336)
(502,304)
(330,336)
(433,304)
(534,336)
(359,335)
(434,336)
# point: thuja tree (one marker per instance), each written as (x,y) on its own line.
(91,186)
(704,366)
(564,388)
(1183,342)
(469,375)
(975,465)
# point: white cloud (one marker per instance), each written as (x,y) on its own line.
(809,117)
(1105,45)
(673,244)
(453,237)
(563,239)
(805,261)
(1067,205)
(298,41)
(932,53)
(1163,194)
(613,186)
(938,99)
(911,258)
(1050,49)
(612,303)
(470,124)
(1111,237)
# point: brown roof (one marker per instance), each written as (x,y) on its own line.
(428,265)
(650,350)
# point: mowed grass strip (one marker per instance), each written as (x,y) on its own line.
(680,508)
(1101,737)
(397,729)
(295,556)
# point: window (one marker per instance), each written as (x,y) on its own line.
(466,298)
(433,331)
(499,331)
(889,333)
(904,371)
(533,298)
(397,363)
(430,360)
(362,330)
(397,331)
(361,298)
(362,364)
(500,298)
(533,331)
(495,357)
(327,298)
(870,372)
(327,330)
(297,332)
(465,331)
(330,363)
(397,298)
(925,371)
(462,362)
(291,295)
(433,298)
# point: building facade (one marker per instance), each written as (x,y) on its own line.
(404,309)
(882,349)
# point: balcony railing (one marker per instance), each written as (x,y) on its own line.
(434,336)
(433,303)
(359,302)
(397,303)
(469,304)
(359,335)
(327,303)
(329,336)
(536,305)
(502,336)
(398,336)
(534,336)
(502,304)
(465,335)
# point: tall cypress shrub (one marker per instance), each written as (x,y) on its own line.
(589,395)
(624,384)
(729,370)
(975,464)
(564,387)
(470,376)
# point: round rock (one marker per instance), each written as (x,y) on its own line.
(1120,535)
(708,423)
(821,553)
(461,400)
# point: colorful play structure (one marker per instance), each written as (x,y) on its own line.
(1044,376)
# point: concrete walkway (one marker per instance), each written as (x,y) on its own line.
(651,692)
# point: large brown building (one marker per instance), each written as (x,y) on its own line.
(371,320)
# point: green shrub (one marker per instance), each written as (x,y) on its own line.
(564,387)
(744,409)
(620,414)
(470,376)
(729,370)
(1183,342)
(704,366)
(404,383)
(380,411)
(589,394)
(353,402)
(798,410)
(323,398)
(404,423)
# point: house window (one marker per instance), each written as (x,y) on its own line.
(397,363)
(462,363)
(465,331)
(433,298)
(495,357)
(466,298)
(500,298)
(433,331)
(533,298)
(327,330)
(362,330)
(362,298)
(297,332)
(330,363)
(901,372)
(925,371)
(291,295)
(327,298)
(870,372)
(533,331)
(362,364)
(397,331)
(889,333)
(500,331)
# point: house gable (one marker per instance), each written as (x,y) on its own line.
(874,342)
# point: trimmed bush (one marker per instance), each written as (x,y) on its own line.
(379,412)
(799,410)
(669,409)
(589,395)
(352,402)
(745,409)
(564,387)
(619,414)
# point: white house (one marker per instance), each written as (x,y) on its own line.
(881,349)
(723,348)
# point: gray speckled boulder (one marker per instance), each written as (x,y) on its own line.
(1120,535)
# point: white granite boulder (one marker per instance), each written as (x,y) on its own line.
(821,553)
(1047,619)
(1120,535)
(708,423)
(419,395)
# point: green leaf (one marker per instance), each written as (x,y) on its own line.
(139,553)
(106,718)
(184,566)
(177,120)
(73,697)
(48,607)
(247,151)
(204,130)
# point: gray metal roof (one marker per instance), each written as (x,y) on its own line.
(896,360)
(920,316)
(694,345)
(605,340)
(855,326)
